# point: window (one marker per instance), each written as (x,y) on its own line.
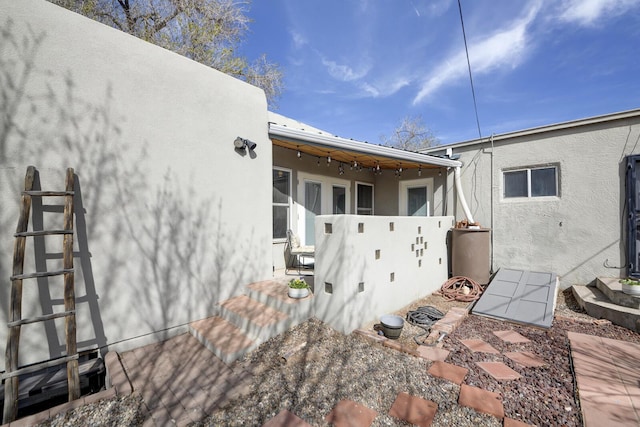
(281,202)
(339,199)
(531,182)
(415,199)
(364,199)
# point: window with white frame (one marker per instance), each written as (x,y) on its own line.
(531,182)
(281,202)
(364,199)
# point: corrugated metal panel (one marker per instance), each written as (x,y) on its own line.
(520,296)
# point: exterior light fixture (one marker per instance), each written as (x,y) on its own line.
(420,171)
(242,143)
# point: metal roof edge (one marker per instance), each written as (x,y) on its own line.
(541,129)
(337,142)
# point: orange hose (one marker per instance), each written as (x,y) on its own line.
(454,289)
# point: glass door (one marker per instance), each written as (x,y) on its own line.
(312,208)
(417,201)
(319,195)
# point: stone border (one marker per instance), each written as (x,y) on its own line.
(451,320)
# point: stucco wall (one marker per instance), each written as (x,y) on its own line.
(367,266)
(170,218)
(580,234)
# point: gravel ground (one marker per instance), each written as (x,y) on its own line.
(332,366)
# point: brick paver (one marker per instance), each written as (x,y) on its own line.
(499,371)
(453,373)
(525,358)
(348,413)
(286,419)
(479,346)
(433,353)
(511,336)
(415,410)
(481,400)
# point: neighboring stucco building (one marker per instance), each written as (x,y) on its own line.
(554,196)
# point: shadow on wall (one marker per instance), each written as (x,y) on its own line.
(150,255)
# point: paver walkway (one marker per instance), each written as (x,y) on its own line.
(608,377)
(180,380)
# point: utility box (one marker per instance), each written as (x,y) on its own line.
(470,253)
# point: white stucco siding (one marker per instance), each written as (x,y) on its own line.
(368,266)
(170,219)
(573,234)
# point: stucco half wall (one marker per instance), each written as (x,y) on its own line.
(367,266)
(580,234)
(170,218)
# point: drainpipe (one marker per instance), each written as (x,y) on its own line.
(461,198)
(491,211)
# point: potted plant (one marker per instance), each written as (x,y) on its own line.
(298,288)
(630,286)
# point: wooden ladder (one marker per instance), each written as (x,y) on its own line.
(15,309)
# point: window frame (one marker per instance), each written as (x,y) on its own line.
(373,201)
(403,194)
(288,205)
(528,170)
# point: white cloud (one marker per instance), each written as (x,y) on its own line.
(298,39)
(438,7)
(588,12)
(344,72)
(384,88)
(505,48)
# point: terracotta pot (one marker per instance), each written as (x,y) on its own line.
(298,293)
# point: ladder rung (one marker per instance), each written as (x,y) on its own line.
(40,318)
(38,366)
(47,193)
(42,233)
(42,274)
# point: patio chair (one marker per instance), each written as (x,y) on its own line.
(297,253)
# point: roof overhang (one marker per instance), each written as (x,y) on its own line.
(348,150)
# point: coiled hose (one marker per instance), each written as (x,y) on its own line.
(424,317)
(461,288)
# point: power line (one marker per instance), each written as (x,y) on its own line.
(473,91)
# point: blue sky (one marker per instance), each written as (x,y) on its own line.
(356,68)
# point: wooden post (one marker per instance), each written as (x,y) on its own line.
(73,378)
(15,307)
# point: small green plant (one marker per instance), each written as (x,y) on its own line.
(630,281)
(298,284)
